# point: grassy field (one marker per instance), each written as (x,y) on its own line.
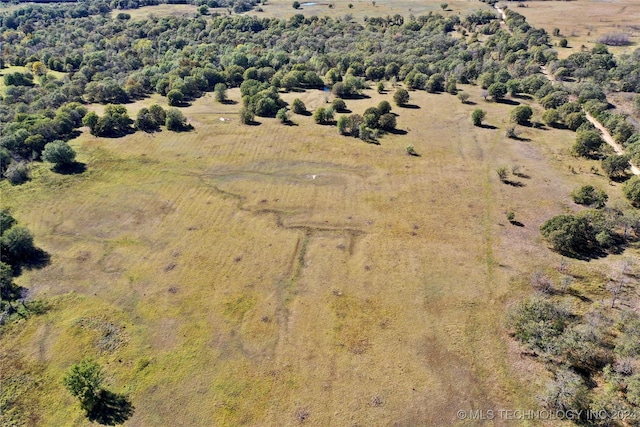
(582,22)
(362,8)
(264,275)
(15,68)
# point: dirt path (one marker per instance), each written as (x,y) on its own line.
(609,140)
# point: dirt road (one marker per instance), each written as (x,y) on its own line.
(609,140)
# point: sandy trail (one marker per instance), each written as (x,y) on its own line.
(609,140)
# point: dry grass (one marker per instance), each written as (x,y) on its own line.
(271,274)
(582,22)
(161,11)
(362,8)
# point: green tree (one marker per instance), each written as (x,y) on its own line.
(401,97)
(283,115)
(158,114)
(590,196)
(84,381)
(384,107)
(176,121)
(387,122)
(17,172)
(616,166)
(463,97)
(296,5)
(568,233)
(497,90)
(339,105)
(343,124)
(175,97)
(145,121)
(17,244)
(551,117)
(59,153)
(521,114)
(6,221)
(90,120)
(298,107)
(587,143)
(246,115)
(631,190)
(380,87)
(220,92)
(477,116)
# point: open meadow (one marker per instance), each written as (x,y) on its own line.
(271,274)
(583,22)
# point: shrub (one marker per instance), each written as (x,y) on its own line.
(631,190)
(537,323)
(401,97)
(574,120)
(587,144)
(84,381)
(176,121)
(387,122)
(246,115)
(521,114)
(283,115)
(502,173)
(220,92)
(589,196)
(298,107)
(175,97)
(384,107)
(615,166)
(463,97)
(477,116)
(339,105)
(17,172)
(497,90)
(17,244)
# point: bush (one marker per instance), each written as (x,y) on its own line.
(59,153)
(587,195)
(401,97)
(298,107)
(498,90)
(587,144)
(176,121)
(463,97)
(477,116)
(323,115)
(568,234)
(17,244)
(339,105)
(574,120)
(283,115)
(384,107)
(175,97)
(615,166)
(220,92)
(17,173)
(631,190)
(521,114)
(387,122)
(537,323)
(246,116)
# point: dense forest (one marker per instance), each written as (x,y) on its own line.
(76,54)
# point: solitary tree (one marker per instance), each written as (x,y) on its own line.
(521,114)
(283,115)
(84,381)
(339,105)
(246,115)
(588,195)
(220,92)
(587,143)
(387,122)
(478,116)
(463,97)
(298,107)
(175,97)
(59,153)
(296,5)
(384,107)
(401,97)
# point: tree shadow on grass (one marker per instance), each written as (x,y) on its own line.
(229,102)
(485,126)
(397,131)
(111,409)
(74,168)
(516,223)
(508,102)
(253,123)
(410,106)
(513,183)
